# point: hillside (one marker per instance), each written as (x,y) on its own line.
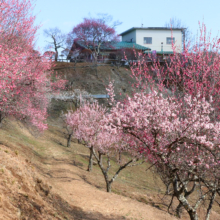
(94,79)
(43,179)
(31,165)
(84,76)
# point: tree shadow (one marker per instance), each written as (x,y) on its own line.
(83,177)
(76,213)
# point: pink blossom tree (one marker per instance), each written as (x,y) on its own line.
(85,124)
(24,75)
(94,33)
(179,136)
(17,24)
(194,71)
(77,97)
(89,126)
(190,80)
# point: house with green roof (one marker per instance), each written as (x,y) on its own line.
(155,40)
(107,49)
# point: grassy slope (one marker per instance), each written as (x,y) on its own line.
(47,156)
(46,150)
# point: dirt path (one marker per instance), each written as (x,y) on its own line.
(68,181)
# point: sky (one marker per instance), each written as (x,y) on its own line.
(66,14)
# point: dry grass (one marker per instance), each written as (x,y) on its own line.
(48,157)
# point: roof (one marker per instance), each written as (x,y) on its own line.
(100,96)
(160,52)
(130,45)
(117,46)
(150,28)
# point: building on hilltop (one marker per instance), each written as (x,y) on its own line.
(158,39)
(109,50)
(147,40)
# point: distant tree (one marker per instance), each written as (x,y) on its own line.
(174,22)
(58,40)
(177,23)
(50,55)
(77,98)
(94,33)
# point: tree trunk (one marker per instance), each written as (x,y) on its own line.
(56,55)
(167,188)
(182,194)
(1,118)
(90,160)
(69,140)
(96,71)
(191,211)
(210,205)
(105,173)
(95,58)
(193,215)
(108,186)
(179,210)
(119,157)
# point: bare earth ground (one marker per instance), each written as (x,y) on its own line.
(31,165)
(20,200)
(71,186)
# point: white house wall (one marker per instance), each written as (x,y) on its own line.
(129,36)
(159,36)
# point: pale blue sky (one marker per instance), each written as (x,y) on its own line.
(65,14)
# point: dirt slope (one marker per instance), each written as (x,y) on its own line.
(39,182)
(30,165)
(23,194)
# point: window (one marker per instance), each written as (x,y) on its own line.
(147,40)
(170,39)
